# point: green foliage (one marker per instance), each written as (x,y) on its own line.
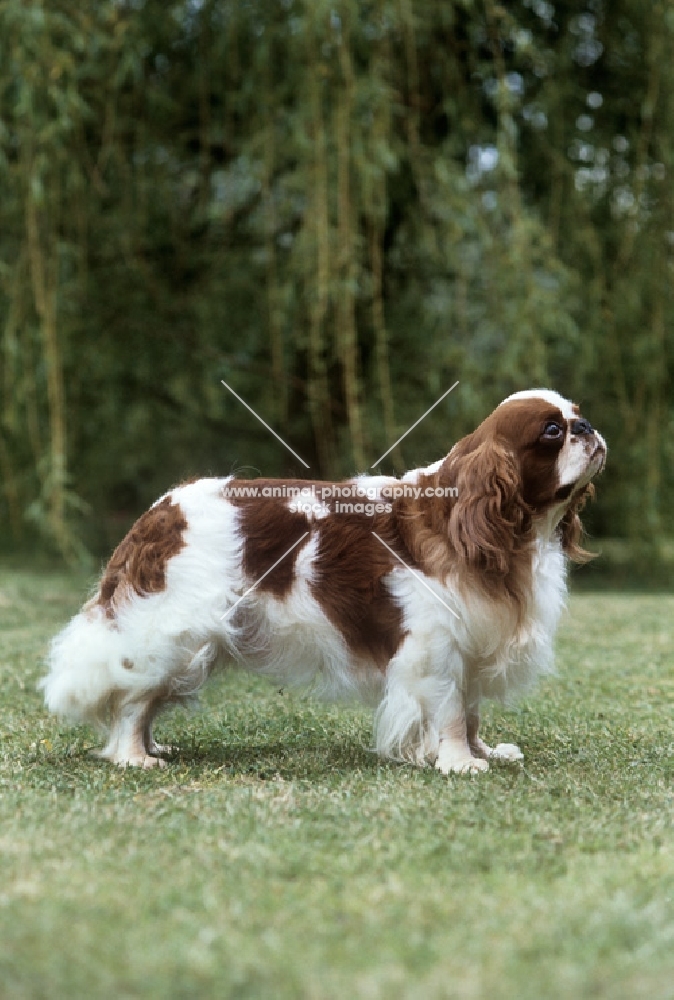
(339,208)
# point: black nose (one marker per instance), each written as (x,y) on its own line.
(581,427)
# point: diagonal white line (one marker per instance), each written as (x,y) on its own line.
(270,429)
(287,553)
(414,425)
(416,575)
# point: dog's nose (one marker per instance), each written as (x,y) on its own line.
(581,427)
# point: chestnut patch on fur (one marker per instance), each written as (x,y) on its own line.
(571,527)
(139,561)
(349,567)
(520,423)
(349,582)
(269,529)
(422,522)
(517,426)
(506,473)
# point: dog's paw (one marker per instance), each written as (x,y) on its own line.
(461,765)
(506,751)
(149,761)
(141,760)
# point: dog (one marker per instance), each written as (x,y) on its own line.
(420,595)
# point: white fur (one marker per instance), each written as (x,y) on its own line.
(161,647)
(413,475)
(549,395)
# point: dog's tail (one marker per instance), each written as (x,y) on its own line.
(88,667)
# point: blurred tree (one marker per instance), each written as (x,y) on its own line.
(599,166)
(340,208)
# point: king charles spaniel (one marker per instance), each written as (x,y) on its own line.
(421,595)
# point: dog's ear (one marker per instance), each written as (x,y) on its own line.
(489,523)
(571,528)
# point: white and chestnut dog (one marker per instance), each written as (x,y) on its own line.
(421,594)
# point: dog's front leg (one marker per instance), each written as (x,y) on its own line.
(455,754)
(458,751)
(478,748)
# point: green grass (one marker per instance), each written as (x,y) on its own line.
(276,857)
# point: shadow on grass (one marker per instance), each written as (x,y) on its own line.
(295,759)
(278,739)
(302,755)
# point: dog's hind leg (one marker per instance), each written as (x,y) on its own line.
(183,687)
(153,748)
(130,727)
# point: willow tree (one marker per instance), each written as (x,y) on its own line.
(340,209)
(47,168)
(600,164)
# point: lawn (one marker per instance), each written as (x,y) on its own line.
(277,857)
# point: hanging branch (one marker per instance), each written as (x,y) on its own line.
(43,269)
(204,101)
(29,398)
(274,311)
(631,406)
(506,144)
(375,200)
(318,295)
(10,341)
(413,117)
(20,395)
(654,422)
(381,343)
(346,306)
(649,104)
(11,490)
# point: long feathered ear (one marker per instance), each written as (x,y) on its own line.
(490,523)
(571,528)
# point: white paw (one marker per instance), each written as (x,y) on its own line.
(506,751)
(462,765)
(149,762)
(145,761)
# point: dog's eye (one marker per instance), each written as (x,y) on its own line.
(553,431)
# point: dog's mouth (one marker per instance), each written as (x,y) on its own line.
(598,457)
(595,465)
(564,492)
